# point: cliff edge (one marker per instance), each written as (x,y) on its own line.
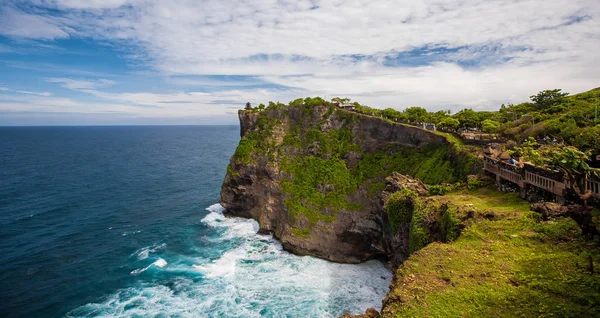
(314,175)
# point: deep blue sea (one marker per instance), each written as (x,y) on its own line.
(125,221)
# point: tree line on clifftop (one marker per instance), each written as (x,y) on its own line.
(550,115)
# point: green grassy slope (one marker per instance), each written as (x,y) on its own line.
(507,263)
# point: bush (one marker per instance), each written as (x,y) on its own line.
(399,208)
(474,182)
(438,189)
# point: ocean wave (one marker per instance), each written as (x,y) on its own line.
(160,263)
(254,277)
(144,252)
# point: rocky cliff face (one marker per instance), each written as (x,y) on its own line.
(314,176)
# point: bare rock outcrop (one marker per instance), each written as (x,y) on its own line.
(397,182)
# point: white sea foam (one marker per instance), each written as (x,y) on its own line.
(144,252)
(253,277)
(158,263)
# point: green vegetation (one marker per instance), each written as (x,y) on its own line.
(551,113)
(490,126)
(418,236)
(438,189)
(319,179)
(259,139)
(474,182)
(322,180)
(305,232)
(399,208)
(431,165)
(449,123)
(572,162)
(317,184)
(232,172)
(574,120)
(245,149)
(427,219)
(506,263)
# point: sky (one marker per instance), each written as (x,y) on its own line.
(126,62)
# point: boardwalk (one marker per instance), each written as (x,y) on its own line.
(530,176)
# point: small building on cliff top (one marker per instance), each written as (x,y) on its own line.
(347,106)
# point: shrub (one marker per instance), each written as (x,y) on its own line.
(438,190)
(474,182)
(399,208)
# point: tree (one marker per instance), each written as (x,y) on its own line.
(297,102)
(416,114)
(341,100)
(392,114)
(573,163)
(490,126)
(449,123)
(438,116)
(468,118)
(548,98)
(314,101)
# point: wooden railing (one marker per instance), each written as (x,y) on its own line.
(510,176)
(545,183)
(594,186)
(523,178)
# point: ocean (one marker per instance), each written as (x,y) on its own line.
(125,221)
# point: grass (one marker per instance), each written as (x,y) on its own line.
(490,200)
(450,137)
(512,266)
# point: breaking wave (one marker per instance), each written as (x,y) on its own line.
(249,276)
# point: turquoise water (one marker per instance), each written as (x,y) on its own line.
(124,221)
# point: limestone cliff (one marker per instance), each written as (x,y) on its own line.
(314,176)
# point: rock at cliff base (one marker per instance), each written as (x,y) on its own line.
(370,313)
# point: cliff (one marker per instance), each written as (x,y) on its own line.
(314,176)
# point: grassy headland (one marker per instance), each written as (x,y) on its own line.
(506,263)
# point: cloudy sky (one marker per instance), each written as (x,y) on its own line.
(71,62)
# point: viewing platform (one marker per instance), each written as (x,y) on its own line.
(531,176)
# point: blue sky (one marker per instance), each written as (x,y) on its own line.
(107,62)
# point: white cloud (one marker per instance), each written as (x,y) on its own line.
(5,89)
(192,32)
(176,99)
(81,85)
(207,82)
(340,47)
(35,93)
(177,105)
(16,23)
(88,4)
